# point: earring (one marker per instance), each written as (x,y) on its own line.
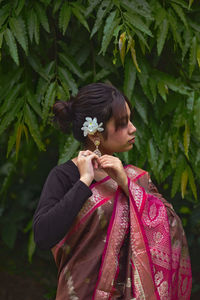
(97,151)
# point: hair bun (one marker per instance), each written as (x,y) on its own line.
(63,114)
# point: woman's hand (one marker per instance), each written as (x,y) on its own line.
(113,167)
(87,161)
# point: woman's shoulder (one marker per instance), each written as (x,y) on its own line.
(66,171)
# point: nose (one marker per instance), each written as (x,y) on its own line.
(132,128)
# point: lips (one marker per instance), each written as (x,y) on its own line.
(132,140)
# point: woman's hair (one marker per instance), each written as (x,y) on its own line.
(99,100)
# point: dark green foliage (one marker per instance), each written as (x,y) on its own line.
(148,49)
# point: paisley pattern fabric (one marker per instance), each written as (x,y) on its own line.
(123,247)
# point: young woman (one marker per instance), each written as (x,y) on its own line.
(113,236)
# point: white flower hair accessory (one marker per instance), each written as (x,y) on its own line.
(90,126)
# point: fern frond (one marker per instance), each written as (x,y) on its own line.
(103,9)
(10,41)
(18,28)
(64,17)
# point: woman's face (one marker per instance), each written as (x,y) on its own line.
(120,140)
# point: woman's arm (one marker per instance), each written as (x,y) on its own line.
(59,204)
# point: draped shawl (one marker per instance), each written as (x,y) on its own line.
(123,247)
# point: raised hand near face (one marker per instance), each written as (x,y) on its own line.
(87,161)
(113,167)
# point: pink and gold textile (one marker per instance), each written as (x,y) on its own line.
(124,248)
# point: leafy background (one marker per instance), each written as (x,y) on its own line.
(48,49)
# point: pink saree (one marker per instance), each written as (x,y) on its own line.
(120,248)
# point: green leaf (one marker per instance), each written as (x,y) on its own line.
(153,88)
(42,16)
(31,23)
(20,6)
(186,139)
(190,3)
(129,78)
(177,175)
(178,9)
(91,6)
(187,34)
(33,103)
(77,13)
(190,102)
(48,100)
(64,17)
(4,13)
(162,89)
(10,41)
(11,115)
(105,6)
(9,233)
(192,182)
(141,107)
(101,74)
(56,6)
(197,117)
(109,27)
(31,121)
(162,34)
(184,181)
(12,139)
(174,28)
(70,63)
(37,67)
(18,28)
(10,99)
(141,8)
(152,156)
(31,246)
(138,23)
(193,55)
(69,149)
(67,77)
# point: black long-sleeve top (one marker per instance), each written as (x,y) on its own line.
(62,197)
